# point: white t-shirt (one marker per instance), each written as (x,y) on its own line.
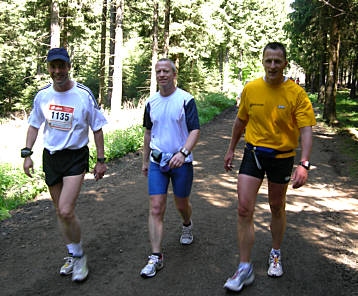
(67,116)
(170,120)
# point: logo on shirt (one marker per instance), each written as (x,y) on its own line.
(281,107)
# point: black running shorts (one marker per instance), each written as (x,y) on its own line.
(64,163)
(278,170)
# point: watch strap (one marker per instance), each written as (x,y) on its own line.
(185,151)
(306,164)
(101,159)
(26,152)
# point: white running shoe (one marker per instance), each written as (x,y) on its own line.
(80,270)
(67,268)
(241,278)
(275,265)
(187,237)
(154,264)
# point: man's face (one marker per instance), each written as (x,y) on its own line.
(165,74)
(58,70)
(274,63)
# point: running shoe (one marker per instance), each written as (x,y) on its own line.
(154,264)
(186,237)
(67,268)
(275,265)
(242,277)
(80,270)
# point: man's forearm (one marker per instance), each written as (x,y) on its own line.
(192,139)
(99,141)
(237,130)
(146,148)
(306,142)
(31,137)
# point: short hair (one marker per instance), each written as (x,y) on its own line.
(171,63)
(274,46)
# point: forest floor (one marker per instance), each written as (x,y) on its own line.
(320,251)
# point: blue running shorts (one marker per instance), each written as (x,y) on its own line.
(182,179)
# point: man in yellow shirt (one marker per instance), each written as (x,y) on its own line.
(275,112)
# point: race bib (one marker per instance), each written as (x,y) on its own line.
(60,117)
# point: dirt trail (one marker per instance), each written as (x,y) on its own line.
(319,252)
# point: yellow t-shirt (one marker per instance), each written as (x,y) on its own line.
(275,114)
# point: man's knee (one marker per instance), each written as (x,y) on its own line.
(157,209)
(183,205)
(277,207)
(66,213)
(244,212)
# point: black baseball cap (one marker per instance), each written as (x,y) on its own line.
(58,54)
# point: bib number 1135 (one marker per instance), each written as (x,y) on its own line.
(60,117)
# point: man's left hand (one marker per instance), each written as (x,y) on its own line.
(299,177)
(177,160)
(99,170)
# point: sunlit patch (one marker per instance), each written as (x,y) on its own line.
(216,201)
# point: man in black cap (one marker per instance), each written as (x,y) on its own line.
(68,109)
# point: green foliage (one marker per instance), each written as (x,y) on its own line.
(118,143)
(16,188)
(210,105)
(347,115)
(347,110)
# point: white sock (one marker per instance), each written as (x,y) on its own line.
(75,249)
(244,265)
(277,252)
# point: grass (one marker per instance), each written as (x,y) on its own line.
(17,188)
(347,116)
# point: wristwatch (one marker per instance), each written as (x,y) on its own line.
(26,152)
(306,164)
(184,151)
(101,159)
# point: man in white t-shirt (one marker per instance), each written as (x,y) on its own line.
(172,130)
(68,109)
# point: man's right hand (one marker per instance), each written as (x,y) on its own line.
(28,164)
(228,161)
(145,168)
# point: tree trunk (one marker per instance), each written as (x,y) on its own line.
(226,70)
(308,80)
(350,74)
(116,101)
(322,80)
(221,66)
(102,70)
(329,114)
(166,28)
(65,21)
(322,73)
(176,62)
(153,80)
(112,36)
(353,91)
(55,26)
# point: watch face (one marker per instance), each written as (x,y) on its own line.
(306,164)
(185,152)
(25,153)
